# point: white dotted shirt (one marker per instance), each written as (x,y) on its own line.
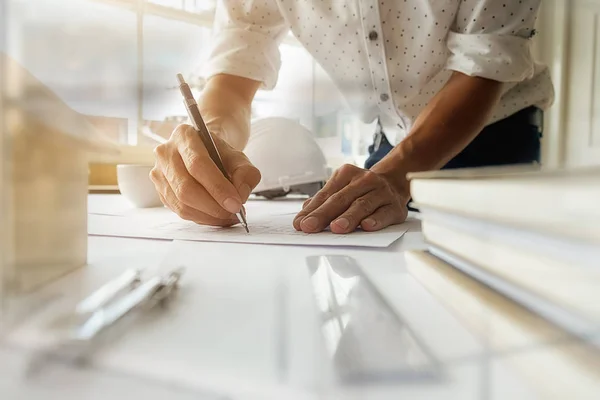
(388,57)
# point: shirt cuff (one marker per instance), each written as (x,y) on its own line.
(246,54)
(501,58)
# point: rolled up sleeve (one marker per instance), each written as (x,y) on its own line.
(246,41)
(492,39)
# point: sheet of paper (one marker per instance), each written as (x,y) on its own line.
(264,229)
(117,205)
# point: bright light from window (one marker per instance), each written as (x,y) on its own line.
(187,5)
(94,65)
(170,47)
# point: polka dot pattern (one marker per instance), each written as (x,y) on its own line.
(389,57)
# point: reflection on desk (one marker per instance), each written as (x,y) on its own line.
(366,340)
(556,364)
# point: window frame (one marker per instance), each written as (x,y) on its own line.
(144,8)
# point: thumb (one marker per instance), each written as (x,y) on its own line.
(244,175)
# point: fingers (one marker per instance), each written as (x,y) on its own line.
(384,217)
(191,184)
(346,185)
(353,197)
(340,178)
(315,221)
(244,176)
(172,174)
(170,199)
(360,209)
(201,167)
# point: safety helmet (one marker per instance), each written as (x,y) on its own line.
(288,157)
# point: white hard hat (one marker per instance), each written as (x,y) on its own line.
(288,157)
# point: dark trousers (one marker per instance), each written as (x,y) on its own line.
(513,140)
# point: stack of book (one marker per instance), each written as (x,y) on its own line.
(530,234)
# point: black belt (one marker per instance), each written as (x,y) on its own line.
(536,117)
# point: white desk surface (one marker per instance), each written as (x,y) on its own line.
(493,354)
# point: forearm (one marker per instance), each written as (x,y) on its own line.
(225,104)
(451,120)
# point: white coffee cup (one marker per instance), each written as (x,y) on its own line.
(135,185)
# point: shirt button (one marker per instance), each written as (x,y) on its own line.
(373,35)
(384,97)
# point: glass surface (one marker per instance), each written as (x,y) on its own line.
(85,51)
(4,160)
(170,47)
(187,5)
(292,97)
(366,340)
(305,93)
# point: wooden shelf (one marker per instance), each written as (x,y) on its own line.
(106,189)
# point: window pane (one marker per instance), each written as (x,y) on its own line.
(83,50)
(305,93)
(170,47)
(187,5)
(293,95)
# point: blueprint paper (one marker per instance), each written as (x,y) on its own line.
(264,229)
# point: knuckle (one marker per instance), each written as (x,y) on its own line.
(348,169)
(181,189)
(185,213)
(188,133)
(186,195)
(364,204)
(217,190)
(195,162)
(370,176)
(338,198)
(321,196)
(345,168)
(180,131)
(254,176)
(247,174)
(177,208)
(154,175)
(160,151)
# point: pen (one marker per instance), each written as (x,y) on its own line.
(198,123)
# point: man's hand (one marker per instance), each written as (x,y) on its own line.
(187,179)
(377,198)
(355,197)
(191,185)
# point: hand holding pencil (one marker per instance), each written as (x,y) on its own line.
(199,175)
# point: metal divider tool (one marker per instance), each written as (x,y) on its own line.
(108,292)
(104,308)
